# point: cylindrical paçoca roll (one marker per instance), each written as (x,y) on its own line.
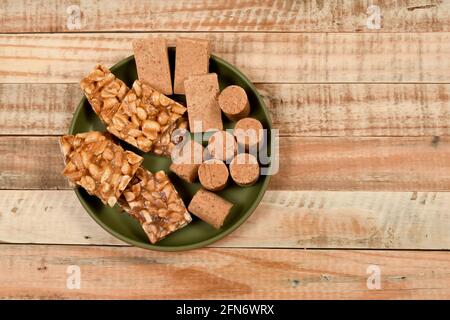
(244,169)
(249,134)
(213,174)
(210,207)
(234,103)
(222,146)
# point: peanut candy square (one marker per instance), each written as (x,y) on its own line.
(94,162)
(104,92)
(144,115)
(154,202)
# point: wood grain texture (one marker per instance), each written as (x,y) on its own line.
(31,162)
(40,272)
(359,109)
(37,109)
(296,219)
(377,164)
(263,57)
(236,15)
(297,109)
(395,164)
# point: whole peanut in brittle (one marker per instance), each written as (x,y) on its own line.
(104,92)
(144,115)
(94,162)
(172,136)
(154,202)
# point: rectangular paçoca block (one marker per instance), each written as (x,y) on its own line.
(152,63)
(186,160)
(192,58)
(104,92)
(201,98)
(94,162)
(154,202)
(210,207)
(144,115)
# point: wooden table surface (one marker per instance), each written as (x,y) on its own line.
(364,118)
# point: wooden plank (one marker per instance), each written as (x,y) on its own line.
(395,164)
(294,219)
(264,57)
(377,164)
(297,109)
(37,109)
(359,109)
(41,272)
(210,15)
(25,217)
(31,162)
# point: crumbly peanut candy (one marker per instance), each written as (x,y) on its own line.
(152,63)
(201,98)
(104,92)
(210,207)
(144,115)
(100,166)
(192,58)
(187,159)
(155,203)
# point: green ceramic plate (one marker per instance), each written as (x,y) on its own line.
(197,233)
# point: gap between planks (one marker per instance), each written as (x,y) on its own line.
(294,219)
(221,273)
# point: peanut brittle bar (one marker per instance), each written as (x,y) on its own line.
(104,92)
(155,203)
(172,136)
(144,115)
(94,162)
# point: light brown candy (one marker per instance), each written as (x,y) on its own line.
(192,58)
(201,98)
(104,92)
(244,169)
(152,63)
(210,207)
(155,203)
(249,133)
(96,163)
(213,174)
(186,160)
(144,115)
(233,101)
(222,146)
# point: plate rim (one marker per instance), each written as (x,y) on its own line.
(202,243)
